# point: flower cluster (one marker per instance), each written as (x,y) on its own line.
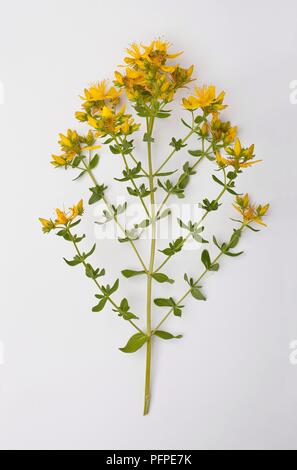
(63,218)
(205,98)
(148,77)
(101,113)
(73,145)
(250,212)
(222,131)
(238,157)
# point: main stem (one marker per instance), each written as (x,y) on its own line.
(147,392)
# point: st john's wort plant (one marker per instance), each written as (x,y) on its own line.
(148,82)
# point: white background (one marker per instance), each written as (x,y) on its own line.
(229,382)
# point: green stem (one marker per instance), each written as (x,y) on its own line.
(170,192)
(184,140)
(189,290)
(150,125)
(219,197)
(97,283)
(110,209)
(174,151)
(136,188)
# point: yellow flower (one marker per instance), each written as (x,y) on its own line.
(190,103)
(101,92)
(106,112)
(80,116)
(77,210)
(62,160)
(62,217)
(72,145)
(249,212)
(147,71)
(47,225)
(135,54)
(182,77)
(127,126)
(206,99)
(157,54)
(238,157)
(222,131)
(237,148)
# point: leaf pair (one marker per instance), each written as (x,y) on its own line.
(176,308)
(205,258)
(80,259)
(97,193)
(124,312)
(174,247)
(233,242)
(159,277)
(195,289)
(139,339)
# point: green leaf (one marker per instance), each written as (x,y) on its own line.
(231,191)
(115,149)
(87,255)
(97,193)
(76,260)
(166,335)
(130,273)
(135,343)
(63,233)
(131,173)
(100,306)
(163,115)
(218,181)
(234,255)
(186,124)
(90,271)
(199,119)
(215,267)
(159,277)
(77,161)
(197,294)
(74,224)
(94,162)
(210,206)
(167,173)
(147,138)
(177,144)
(251,228)
(174,247)
(143,224)
(177,311)
(115,287)
(164,302)
(235,238)
(124,305)
(205,258)
(196,153)
(80,175)
(164,214)
(94,273)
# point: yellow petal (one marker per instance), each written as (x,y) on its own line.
(237,148)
